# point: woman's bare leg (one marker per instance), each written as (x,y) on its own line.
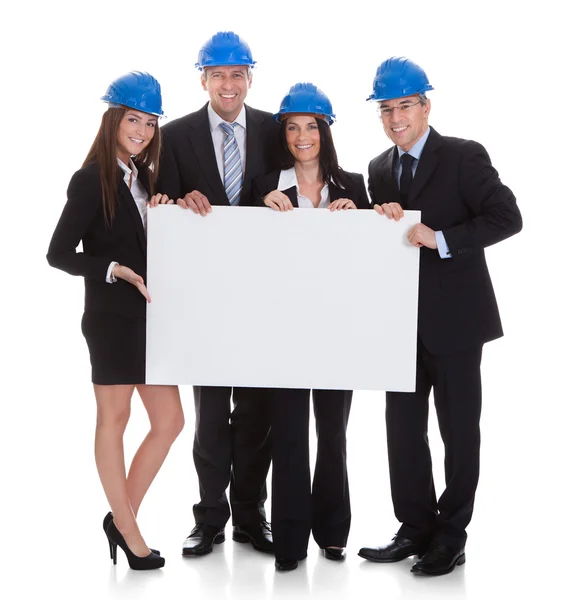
(162,403)
(113,411)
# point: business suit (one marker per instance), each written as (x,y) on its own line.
(189,163)
(114,317)
(459,193)
(297,506)
(235,452)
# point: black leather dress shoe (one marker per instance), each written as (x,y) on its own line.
(201,540)
(258,534)
(398,549)
(439,560)
(286,564)
(334,553)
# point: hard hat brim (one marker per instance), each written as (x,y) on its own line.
(403,94)
(279,117)
(147,112)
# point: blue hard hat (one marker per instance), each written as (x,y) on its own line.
(224,49)
(398,77)
(137,90)
(306,98)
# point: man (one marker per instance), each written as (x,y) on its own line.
(464,208)
(209,158)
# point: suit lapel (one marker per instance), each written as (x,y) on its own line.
(335,193)
(387,167)
(387,188)
(144,179)
(426,166)
(291,193)
(254,148)
(201,141)
(127,199)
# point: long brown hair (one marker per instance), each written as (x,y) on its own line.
(103,152)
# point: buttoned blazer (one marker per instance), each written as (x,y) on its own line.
(460,193)
(188,160)
(354,190)
(124,241)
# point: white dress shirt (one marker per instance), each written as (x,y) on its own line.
(218,137)
(139,193)
(288,179)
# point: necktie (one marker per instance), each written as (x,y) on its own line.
(406,176)
(232,164)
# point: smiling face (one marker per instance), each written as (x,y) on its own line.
(227,88)
(302,137)
(405,127)
(136,130)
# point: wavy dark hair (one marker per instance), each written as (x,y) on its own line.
(103,152)
(331,172)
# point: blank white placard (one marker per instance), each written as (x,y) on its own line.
(305,299)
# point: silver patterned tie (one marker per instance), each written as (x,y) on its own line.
(232,164)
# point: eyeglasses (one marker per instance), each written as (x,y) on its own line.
(385,111)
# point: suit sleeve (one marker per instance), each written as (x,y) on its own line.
(261,187)
(360,198)
(256,195)
(168,180)
(371,186)
(494,212)
(82,208)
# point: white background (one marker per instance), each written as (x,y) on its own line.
(501,76)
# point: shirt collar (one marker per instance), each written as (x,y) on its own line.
(288,179)
(128,170)
(215,119)
(417,149)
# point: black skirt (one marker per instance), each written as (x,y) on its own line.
(116,348)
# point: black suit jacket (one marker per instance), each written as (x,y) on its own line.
(355,189)
(188,161)
(125,242)
(460,193)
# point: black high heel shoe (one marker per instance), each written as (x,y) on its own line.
(108,518)
(137,563)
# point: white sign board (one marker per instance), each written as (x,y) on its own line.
(305,299)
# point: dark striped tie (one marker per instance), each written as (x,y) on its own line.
(232,164)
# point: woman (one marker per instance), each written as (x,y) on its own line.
(106,211)
(310,178)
